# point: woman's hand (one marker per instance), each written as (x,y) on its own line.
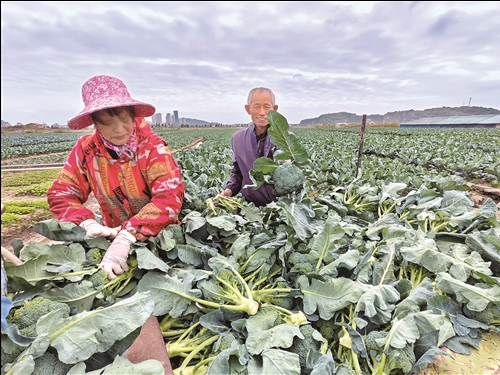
(114,261)
(94,229)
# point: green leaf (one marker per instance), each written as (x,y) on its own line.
(279,336)
(78,337)
(285,141)
(60,231)
(475,297)
(122,366)
(162,286)
(78,295)
(58,254)
(330,296)
(148,261)
(276,362)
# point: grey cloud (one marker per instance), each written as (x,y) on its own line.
(203,57)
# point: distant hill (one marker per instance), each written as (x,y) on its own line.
(193,121)
(398,116)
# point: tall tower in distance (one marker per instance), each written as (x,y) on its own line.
(176,117)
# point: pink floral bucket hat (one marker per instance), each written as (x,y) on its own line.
(102,92)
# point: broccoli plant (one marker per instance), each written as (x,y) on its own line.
(304,347)
(285,171)
(386,359)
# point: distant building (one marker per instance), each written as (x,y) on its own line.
(168,119)
(156,119)
(479,121)
(176,117)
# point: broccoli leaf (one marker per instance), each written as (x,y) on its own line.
(60,231)
(78,337)
(285,141)
(276,362)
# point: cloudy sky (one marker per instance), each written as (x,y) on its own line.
(202,58)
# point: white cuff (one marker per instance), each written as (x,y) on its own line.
(128,235)
(84,223)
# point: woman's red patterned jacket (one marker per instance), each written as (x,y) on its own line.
(142,195)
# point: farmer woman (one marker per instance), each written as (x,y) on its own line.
(127,167)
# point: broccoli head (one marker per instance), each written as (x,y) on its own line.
(9,351)
(176,233)
(386,361)
(224,342)
(327,328)
(490,315)
(288,178)
(26,316)
(300,263)
(312,341)
(99,278)
(49,363)
(95,255)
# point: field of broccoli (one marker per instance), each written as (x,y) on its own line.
(386,270)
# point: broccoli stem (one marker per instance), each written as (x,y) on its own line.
(261,294)
(167,323)
(293,318)
(249,306)
(195,352)
(270,276)
(173,333)
(252,276)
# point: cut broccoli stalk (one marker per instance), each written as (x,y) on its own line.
(225,292)
(171,327)
(190,347)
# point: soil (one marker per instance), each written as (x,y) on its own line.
(24,233)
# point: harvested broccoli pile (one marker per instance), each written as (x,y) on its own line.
(26,316)
(288,178)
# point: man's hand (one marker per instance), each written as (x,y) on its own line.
(114,261)
(94,229)
(227,193)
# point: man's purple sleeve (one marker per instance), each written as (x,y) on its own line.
(235,178)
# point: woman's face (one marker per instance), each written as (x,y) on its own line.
(115,129)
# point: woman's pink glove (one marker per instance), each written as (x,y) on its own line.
(94,229)
(114,261)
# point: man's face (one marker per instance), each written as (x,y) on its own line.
(259,107)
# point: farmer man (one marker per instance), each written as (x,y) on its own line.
(250,144)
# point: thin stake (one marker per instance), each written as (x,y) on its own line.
(361,141)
